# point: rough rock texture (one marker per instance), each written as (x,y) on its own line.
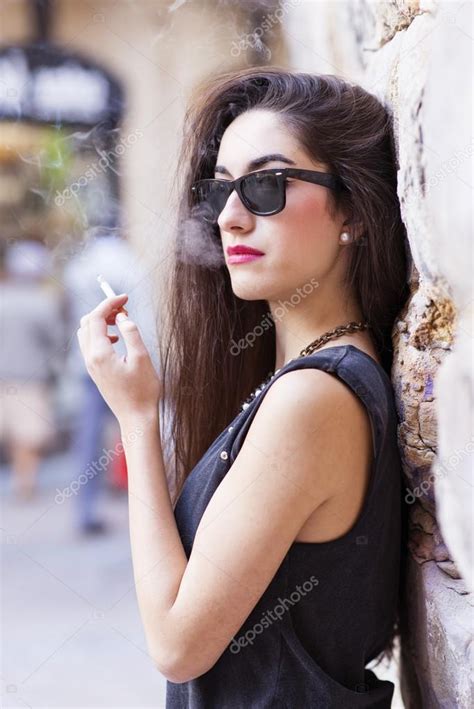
(415,55)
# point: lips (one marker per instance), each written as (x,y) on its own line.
(233,250)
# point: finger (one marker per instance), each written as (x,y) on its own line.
(108,305)
(119,310)
(110,319)
(98,318)
(98,336)
(108,308)
(80,336)
(131,336)
(83,334)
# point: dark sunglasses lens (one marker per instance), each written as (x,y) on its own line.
(262,192)
(212,197)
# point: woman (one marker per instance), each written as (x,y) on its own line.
(273,581)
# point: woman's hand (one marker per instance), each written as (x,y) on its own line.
(129,384)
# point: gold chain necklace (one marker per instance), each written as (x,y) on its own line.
(309,349)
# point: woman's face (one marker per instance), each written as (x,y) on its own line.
(300,243)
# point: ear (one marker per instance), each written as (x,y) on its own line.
(355,228)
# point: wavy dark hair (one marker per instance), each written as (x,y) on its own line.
(337,123)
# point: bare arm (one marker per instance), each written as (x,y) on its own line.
(291,461)
(159,560)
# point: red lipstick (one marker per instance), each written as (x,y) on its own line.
(242,254)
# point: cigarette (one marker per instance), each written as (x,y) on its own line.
(108,290)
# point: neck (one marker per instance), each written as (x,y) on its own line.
(296,326)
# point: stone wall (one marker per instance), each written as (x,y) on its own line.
(417,58)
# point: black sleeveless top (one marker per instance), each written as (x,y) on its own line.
(331,605)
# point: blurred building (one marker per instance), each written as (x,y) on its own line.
(152,53)
(92,99)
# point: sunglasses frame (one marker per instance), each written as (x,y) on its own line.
(325,179)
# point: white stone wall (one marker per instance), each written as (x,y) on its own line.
(416,56)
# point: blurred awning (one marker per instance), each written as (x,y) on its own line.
(45,83)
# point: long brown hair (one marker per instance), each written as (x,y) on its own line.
(337,123)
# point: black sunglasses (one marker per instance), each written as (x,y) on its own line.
(262,192)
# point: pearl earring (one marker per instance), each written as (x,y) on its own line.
(345,237)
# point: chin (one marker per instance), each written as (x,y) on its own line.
(249,294)
(248,289)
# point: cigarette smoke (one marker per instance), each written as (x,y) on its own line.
(197,243)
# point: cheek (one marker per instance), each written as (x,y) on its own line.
(308,225)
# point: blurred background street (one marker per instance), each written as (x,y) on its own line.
(71,631)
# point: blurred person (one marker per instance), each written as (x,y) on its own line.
(111,256)
(31,332)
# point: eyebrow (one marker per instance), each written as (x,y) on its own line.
(258,162)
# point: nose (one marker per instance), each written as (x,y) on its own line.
(235,216)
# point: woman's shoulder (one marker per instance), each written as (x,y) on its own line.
(358,368)
(312,394)
(341,384)
(305,408)
(300,389)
